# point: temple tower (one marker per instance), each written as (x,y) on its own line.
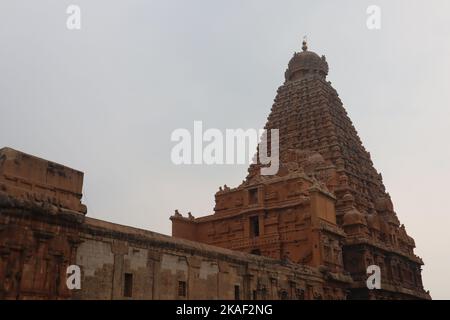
(327,205)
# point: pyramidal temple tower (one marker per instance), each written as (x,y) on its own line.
(326,207)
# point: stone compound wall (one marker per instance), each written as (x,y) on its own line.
(160,264)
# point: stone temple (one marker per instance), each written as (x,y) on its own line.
(308,232)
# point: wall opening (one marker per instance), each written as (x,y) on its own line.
(182,288)
(128,285)
(237,293)
(254,226)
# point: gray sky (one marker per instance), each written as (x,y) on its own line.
(105,99)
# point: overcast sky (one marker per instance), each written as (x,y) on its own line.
(105,99)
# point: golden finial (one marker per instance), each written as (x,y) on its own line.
(304,44)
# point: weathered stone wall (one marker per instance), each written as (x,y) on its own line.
(159,263)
